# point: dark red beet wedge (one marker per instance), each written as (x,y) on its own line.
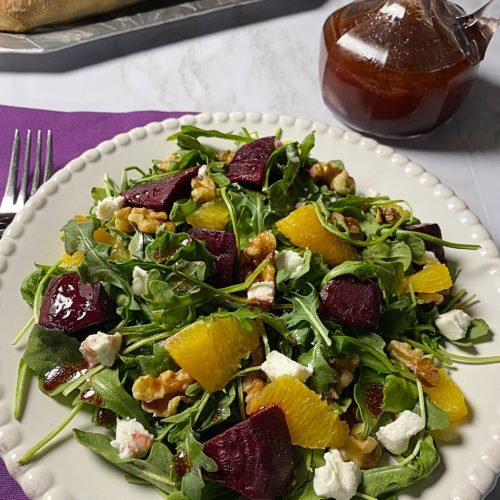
(222,245)
(249,163)
(75,307)
(160,195)
(255,457)
(352,301)
(432,229)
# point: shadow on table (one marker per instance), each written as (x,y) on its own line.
(475,127)
(121,45)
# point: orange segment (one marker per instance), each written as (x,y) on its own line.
(74,260)
(448,396)
(311,422)
(431,279)
(213,215)
(211,352)
(303,228)
(102,236)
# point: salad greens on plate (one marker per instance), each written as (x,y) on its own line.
(242,321)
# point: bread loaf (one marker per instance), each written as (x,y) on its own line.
(24,15)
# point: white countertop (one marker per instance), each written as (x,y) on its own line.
(260,58)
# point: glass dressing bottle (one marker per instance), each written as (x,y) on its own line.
(401,68)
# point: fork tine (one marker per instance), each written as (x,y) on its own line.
(10,190)
(21,196)
(35,184)
(48,157)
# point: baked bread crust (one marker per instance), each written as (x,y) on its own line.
(24,15)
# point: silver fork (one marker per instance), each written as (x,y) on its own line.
(16,193)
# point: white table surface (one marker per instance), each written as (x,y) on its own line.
(257,58)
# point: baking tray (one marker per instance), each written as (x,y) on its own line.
(149,14)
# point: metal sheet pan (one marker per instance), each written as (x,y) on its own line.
(140,17)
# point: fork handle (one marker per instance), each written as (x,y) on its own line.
(5,220)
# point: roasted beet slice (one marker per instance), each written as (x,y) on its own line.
(255,457)
(249,163)
(432,229)
(75,307)
(160,195)
(222,245)
(351,301)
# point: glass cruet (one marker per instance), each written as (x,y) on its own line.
(401,68)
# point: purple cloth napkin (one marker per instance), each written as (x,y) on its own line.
(73,133)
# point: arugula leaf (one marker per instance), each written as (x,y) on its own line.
(114,397)
(192,483)
(181,210)
(155,363)
(157,469)
(171,247)
(399,394)
(279,203)
(323,374)
(478,331)
(414,243)
(30,284)
(303,318)
(368,394)
(220,408)
(193,131)
(394,478)
(78,234)
(388,274)
(252,214)
(390,251)
(435,417)
(48,349)
(306,146)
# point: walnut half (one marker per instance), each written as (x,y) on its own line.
(413,358)
(161,395)
(364,452)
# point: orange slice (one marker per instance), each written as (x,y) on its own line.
(431,279)
(311,422)
(213,215)
(303,228)
(448,396)
(211,352)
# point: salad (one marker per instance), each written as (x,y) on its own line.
(240,321)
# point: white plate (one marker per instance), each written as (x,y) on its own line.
(468,469)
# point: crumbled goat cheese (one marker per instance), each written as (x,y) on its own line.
(336,479)
(395,437)
(202,171)
(100,348)
(277,364)
(290,261)
(132,439)
(429,258)
(139,281)
(107,207)
(454,324)
(261,291)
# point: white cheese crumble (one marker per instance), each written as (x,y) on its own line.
(107,207)
(290,261)
(454,324)
(395,437)
(429,258)
(277,364)
(336,479)
(100,348)
(202,171)
(139,281)
(132,439)
(261,291)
